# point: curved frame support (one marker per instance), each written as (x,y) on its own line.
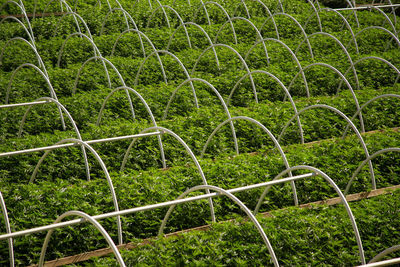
(376,58)
(234,199)
(87,218)
(75,15)
(343,78)
(335,110)
(294,57)
(23,12)
(96,52)
(387,19)
(30,34)
(8,230)
(384,253)
(78,134)
(368,160)
(103,167)
(270,135)
(314,13)
(298,24)
(176,14)
(379,28)
(126,14)
(147,109)
(366,104)
(104,62)
(337,189)
(270,15)
(39,58)
(144,54)
(346,22)
(188,150)
(177,60)
(240,58)
(163,10)
(284,89)
(252,25)
(225,106)
(52,92)
(343,48)
(245,8)
(223,10)
(202,30)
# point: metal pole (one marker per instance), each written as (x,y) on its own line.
(153,206)
(366,7)
(23,104)
(119,138)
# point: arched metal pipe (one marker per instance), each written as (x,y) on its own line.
(223,10)
(252,25)
(75,15)
(177,60)
(343,48)
(337,189)
(298,25)
(144,54)
(104,62)
(366,104)
(52,92)
(40,61)
(103,167)
(387,19)
(314,13)
(368,160)
(22,8)
(270,135)
(125,13)
(149,2)
(160,6)
(240,58)
(270,15)
(202,30)
(176,14)
(343,79)
(205,11)
(378,28)
(30,36)
(8,230)
(69,10)
(89,219)
(61,2)
(345,22)
(96,52)
(375,58)
(245,8)
(78,134)
(382,254)
(188,150)
(364,146)
(147,109)
(352,8)
(225,106)
(284,89)
(294,57)
(238,202)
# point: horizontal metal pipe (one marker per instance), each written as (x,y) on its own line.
(23,104)
(151,207)
(382,263)
(366,7)
(119,138)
